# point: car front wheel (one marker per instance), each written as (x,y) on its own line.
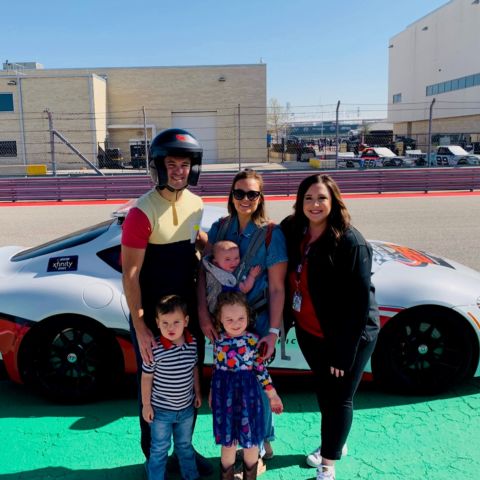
(70,359)
(425,350)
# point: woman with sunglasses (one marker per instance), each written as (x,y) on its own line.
(331,300)
(246,208)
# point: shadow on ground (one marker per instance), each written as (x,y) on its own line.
(17,401)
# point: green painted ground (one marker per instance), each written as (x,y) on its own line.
(392,438)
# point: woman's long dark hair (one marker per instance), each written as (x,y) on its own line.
(339,218)
(259,216)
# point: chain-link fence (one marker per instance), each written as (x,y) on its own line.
(50,142)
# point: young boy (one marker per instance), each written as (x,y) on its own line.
(219,268)
(171,390)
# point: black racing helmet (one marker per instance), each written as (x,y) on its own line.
(174,142)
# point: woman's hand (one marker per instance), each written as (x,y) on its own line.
(337,372)
(269,340)
(207,327)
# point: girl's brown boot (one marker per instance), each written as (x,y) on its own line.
(250,473)
(226,473)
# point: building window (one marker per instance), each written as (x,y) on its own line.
(6,102)
(397,98)
(451,85)
(8,148)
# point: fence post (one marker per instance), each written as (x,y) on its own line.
(430,132)
(145,138)
(239,142)
(52,141)
(336,135)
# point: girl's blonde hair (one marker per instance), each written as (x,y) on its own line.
(230,298)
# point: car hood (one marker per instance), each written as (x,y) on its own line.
(421,277)
(8,267)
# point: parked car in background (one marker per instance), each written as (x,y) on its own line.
(454,155)
(415,158)
(380,157)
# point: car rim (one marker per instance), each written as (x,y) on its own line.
(427,352)
(70,362)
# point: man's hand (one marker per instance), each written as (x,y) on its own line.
(198,400)
(269,340)
(146,341)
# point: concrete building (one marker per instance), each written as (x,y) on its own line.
(224,106)
(436,58)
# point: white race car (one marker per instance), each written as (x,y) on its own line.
(64,319)
(454,155)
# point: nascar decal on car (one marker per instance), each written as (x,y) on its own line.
(388,252)
(63,264)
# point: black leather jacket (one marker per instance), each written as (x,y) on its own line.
(339,282)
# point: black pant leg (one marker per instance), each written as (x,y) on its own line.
(334,395)
(145,435)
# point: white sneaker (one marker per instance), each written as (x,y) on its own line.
(325,472)
(314,459)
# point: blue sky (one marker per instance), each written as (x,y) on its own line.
(316,51)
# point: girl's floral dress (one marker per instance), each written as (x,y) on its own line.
(238,376)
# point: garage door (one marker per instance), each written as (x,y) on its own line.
(204,126)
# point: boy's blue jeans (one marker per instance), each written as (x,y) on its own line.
(180,424)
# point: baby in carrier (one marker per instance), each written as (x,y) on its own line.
(220,268)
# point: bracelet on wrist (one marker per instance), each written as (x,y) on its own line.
(276,331)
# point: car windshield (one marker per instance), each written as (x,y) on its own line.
(71,240)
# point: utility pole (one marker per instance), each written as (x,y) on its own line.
(52,141)
(430,131)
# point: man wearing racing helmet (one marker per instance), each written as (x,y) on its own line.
(158,249)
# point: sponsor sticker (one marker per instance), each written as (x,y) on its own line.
(63,264)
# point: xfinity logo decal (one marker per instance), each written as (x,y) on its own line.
(63,264)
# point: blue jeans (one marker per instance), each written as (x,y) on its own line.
(180,423)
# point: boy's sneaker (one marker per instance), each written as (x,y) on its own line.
(325,472)
(314,459)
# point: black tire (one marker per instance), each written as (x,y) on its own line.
(70,359)
(425,350)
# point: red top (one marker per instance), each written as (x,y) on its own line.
(138,229)
(298,282)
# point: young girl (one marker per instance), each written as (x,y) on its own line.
(235,396)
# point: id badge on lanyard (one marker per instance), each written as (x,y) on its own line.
(297,301)
(297,296)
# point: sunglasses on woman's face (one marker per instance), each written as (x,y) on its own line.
(239,194)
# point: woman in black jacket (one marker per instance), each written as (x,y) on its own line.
(331,301)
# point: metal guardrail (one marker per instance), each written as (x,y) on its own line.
(215,184)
